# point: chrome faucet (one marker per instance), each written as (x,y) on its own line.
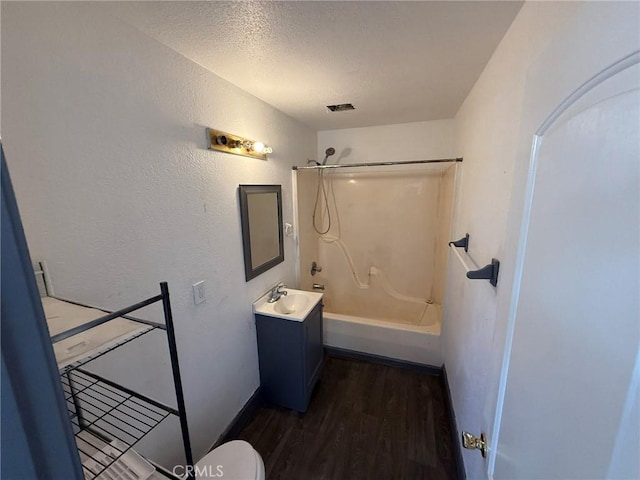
(277,292)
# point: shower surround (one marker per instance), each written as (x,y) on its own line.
(383,255)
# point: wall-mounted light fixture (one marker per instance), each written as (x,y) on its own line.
(229,143)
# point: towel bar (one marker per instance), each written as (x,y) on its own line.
(488,272)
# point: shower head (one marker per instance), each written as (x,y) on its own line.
(328,152)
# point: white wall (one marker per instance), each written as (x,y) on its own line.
(385,143)
(104,132)
(550,49)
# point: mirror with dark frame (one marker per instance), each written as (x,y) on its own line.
(261,217)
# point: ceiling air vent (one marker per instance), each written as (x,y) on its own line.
(343,107)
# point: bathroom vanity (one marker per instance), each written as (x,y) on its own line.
(290,347)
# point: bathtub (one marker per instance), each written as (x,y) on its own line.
(413,343)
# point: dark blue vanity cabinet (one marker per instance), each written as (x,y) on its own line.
(291,356)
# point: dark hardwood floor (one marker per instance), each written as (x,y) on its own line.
(365,421)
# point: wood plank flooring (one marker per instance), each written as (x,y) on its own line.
(365,421)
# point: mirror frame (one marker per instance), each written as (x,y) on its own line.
(245,191)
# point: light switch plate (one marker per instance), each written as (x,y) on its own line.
(198,292)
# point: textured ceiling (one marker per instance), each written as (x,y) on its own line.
(395,61)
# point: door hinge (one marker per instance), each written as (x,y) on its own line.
(475,443)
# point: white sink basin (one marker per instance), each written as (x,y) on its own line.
(291,303)
(295,305)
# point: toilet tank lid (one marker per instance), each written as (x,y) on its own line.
(235,460)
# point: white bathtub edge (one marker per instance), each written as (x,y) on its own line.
(403,342)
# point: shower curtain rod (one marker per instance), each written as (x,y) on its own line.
(376,164)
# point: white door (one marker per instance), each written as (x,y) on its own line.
(571,398)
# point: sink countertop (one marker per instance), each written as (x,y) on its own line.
(263,307)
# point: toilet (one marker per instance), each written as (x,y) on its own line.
(235,460)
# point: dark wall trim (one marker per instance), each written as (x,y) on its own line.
(391,362)
(462,474)
(242,419)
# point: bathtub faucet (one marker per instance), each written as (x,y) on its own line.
(277,292)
